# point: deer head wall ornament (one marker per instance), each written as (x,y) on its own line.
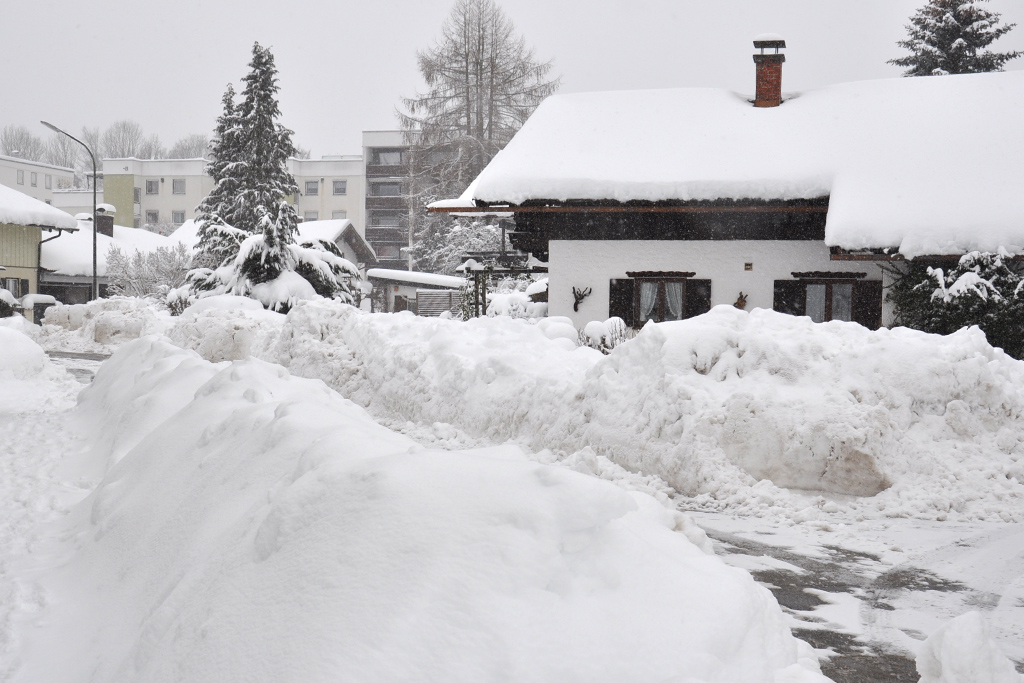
(741,301)
(579,296)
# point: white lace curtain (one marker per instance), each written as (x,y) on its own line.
(674,300)
(648,298)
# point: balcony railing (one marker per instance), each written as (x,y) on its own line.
(387,235)
(382,171)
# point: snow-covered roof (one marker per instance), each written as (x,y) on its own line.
(415,277)
(18,208)
(929,165)
(187,234)
(328,230)
(71,253)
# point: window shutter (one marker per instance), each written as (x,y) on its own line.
(620,300)
(24,288)
(698,297)
(867,303)
(790,297)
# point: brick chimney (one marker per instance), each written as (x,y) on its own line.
(769,70)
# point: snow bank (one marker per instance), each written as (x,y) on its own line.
(963,651)
(226,327)
(727,407)
(28,380)
(257,526)
(102,324)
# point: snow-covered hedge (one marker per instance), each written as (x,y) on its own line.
(257,526)
(726,407)
(101,324)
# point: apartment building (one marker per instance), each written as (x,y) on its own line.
(34,178)
(158,193)
(330,188)
(388,209)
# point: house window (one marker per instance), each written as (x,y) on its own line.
(311,216)
(391,189)
(17,287)
(386,219)
(177,217)
(21,177)
(387,157)
(339,214)
(178,186)
(831,296)
(658,297)
(136,194)
(48,181)
(312,188)
(340,187)
(33,179)
(152,187)
(152,217)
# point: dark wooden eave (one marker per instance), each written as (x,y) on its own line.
(813,205)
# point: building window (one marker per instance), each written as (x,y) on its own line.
(33,179)
(390,189)
(312,188)
(388,251)
(178,186)
(177,217)
(21,177)
(136,194)
(152,187)
(386,219)
(658,297)
(339,214)
(311,215)
(823,297)
(152,217)
(340,187)
(48,181)
(387,157)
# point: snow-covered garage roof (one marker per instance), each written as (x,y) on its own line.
(18,208)
(929,165)
(71,254)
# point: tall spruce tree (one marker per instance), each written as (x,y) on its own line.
(951,37)
(247,227)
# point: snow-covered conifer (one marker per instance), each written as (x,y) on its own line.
(950,37)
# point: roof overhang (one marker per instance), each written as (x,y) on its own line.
(812,205)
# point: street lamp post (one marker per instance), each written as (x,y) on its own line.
(95,279)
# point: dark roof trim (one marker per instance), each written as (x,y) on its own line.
(660,274)
(829,275)
(359,245)
(814,205)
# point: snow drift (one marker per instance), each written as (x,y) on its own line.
(726,407)
(257,526)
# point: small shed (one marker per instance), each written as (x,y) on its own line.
(405,290)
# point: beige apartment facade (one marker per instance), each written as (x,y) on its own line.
(34,178)
(159,194)
(330,188)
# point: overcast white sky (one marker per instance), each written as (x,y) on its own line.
(344,64)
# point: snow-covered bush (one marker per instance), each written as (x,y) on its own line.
(605,336)
(8,304)
(983,289)
(148,274)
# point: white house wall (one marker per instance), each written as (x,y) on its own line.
(592,263)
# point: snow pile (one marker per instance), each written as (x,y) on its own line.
(102,324)
(28,380)
(880,150)
(726,407)
(260,527)
(17,208)
(227,327)
(963,651)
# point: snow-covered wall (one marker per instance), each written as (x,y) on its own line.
(592,263)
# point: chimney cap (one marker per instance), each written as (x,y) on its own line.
(769,40)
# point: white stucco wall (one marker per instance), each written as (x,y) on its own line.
(592,263)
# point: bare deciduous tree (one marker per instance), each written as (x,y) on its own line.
(18,141)
(482,84)
(192,146)
(123,139)
(62,151)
